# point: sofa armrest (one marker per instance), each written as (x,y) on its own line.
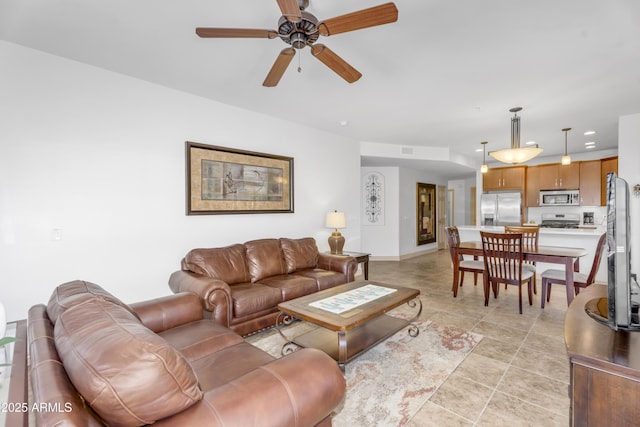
(346,265)
(167,312)
(305,386)
(214,294)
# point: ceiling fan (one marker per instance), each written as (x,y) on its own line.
(299,29)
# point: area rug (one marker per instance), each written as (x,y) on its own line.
(387,385)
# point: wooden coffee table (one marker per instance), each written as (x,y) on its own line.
(346,331)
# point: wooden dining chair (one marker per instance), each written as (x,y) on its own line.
(529,241)
(580,280)
(474,266)
(503,260)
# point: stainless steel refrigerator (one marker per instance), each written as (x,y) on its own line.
(501,208)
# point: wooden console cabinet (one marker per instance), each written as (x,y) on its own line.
(605,367)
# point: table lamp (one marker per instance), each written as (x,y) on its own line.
(336,220)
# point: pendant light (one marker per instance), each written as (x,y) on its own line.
(566,159)
(484,168)
(515,154)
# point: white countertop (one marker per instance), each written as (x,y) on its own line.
(563,231)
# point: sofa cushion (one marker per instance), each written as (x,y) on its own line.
(129,375)
(299,254)
(264,258)
(252,298)
(71,293)
(291,285)
(228,264)
(325,279)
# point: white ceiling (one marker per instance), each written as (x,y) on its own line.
(445,74)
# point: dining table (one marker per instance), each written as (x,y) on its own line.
(569,257)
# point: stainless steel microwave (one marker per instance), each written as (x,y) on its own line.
(560,198)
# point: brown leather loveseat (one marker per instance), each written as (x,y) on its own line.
(242,284)
(97,361)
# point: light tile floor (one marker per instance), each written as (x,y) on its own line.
(519,373)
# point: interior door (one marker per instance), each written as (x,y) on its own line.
(441,209)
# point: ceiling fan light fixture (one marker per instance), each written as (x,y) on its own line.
(516,154)
(566,159)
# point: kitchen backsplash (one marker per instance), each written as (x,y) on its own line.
(599,213)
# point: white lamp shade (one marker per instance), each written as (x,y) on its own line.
(336,220)
(566,160)
(516,155)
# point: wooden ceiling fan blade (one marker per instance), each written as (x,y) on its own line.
(290,10)
(279,67)
(365,18)
(235,33)
(337,64)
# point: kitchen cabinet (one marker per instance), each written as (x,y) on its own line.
(590,176)
(511,178)
(532,193)
(607,165)
(559,177)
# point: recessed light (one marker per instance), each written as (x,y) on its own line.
(478,150)
(343,123)
(530,143)
(588,147)
(590,143)
(589,132)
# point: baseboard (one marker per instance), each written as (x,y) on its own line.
(404,256)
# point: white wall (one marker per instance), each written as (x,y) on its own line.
(408,210)
(101,157)
(628,158)
(462,200)
(382,240)
(397,237)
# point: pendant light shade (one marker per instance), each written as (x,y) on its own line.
(515,154)
(566,159)
(484,168)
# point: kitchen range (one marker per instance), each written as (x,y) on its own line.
(560,220)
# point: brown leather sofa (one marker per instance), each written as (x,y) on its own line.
(97,361)
(241,285)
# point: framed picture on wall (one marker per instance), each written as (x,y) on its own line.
(425,213)
(223,180)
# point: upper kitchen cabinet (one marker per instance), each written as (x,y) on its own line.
(532,197)
(559,177)
(590,176)
(607,165)
(511,178)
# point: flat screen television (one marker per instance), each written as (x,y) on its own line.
(623,298)
(620,309)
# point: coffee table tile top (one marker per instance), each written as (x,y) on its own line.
(351,299)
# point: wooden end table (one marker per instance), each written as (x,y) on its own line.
(361,258)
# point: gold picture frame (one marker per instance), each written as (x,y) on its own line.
(223,180)
(425,213)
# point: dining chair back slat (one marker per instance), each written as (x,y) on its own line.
(530,237)
(474,266)
(503,258)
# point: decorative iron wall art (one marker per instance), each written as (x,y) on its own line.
(373,199)
(226,181)
(425,213)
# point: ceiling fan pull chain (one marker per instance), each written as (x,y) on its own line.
(299,67)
